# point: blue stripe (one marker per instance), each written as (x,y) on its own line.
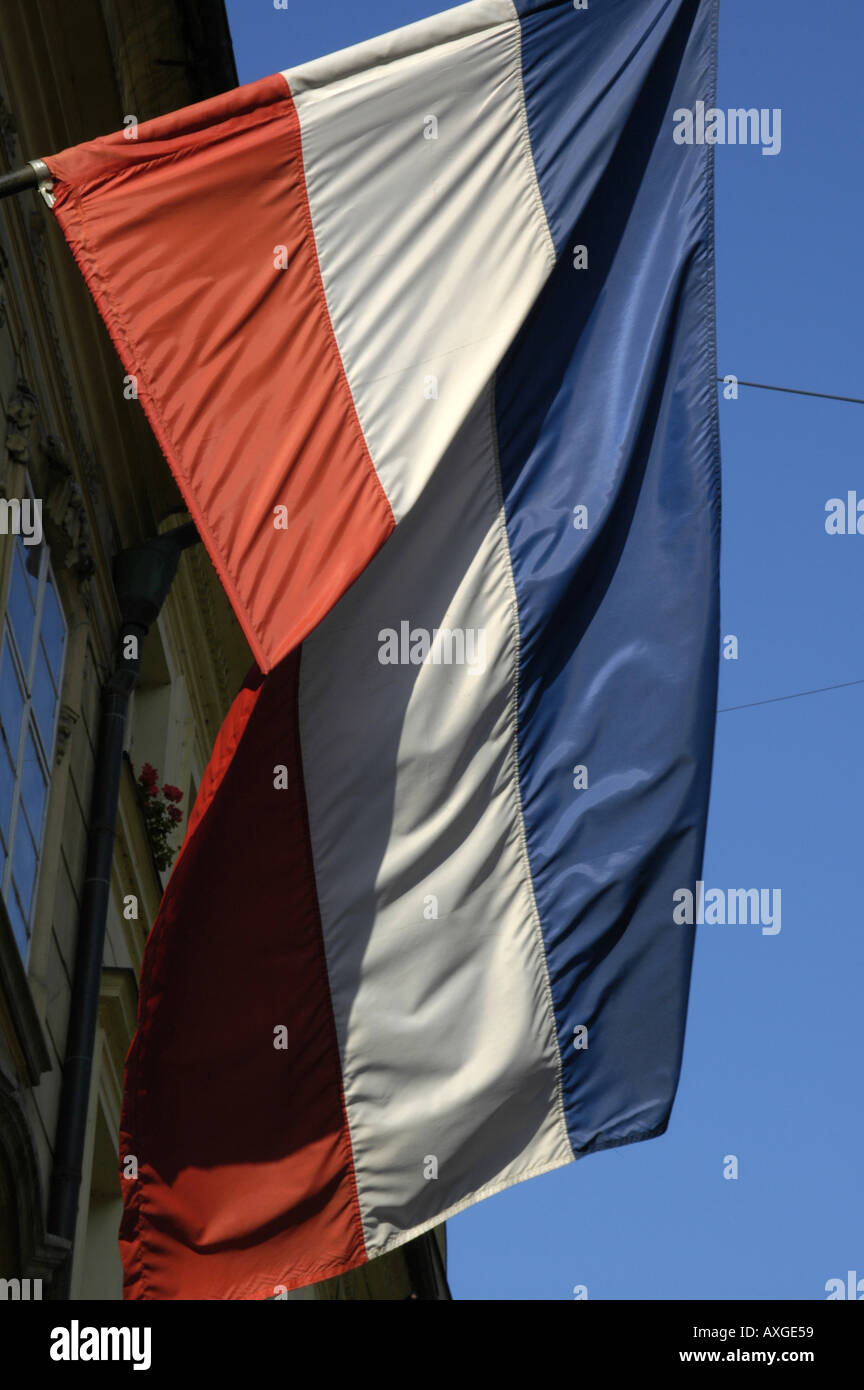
(607,400)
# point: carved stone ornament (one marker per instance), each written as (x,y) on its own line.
(20,414)
(4,263)
(8,133)
(66,721)
(67,529)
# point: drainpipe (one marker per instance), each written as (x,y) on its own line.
(142,578)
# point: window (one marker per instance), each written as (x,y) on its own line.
(31,663)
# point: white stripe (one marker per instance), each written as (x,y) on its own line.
(445,1024)
(432,251)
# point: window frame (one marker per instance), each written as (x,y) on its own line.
(29,728)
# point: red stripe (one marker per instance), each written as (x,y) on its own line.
(245,1173)
(237,366)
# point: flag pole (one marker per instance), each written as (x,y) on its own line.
(35,174)
(18,181)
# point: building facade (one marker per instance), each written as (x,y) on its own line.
(82,479)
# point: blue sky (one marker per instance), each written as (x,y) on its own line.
(772,1062)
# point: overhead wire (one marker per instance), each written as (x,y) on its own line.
(820,690)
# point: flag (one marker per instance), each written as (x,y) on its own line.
(425,330)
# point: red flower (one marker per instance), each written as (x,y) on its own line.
(160,818)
